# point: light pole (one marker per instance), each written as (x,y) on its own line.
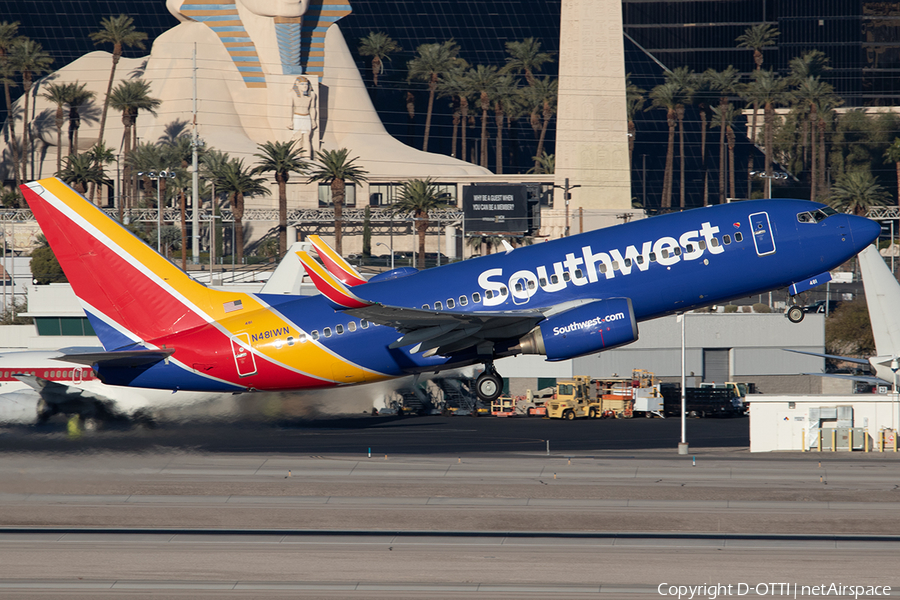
(683,445)
(566,187)
(158,176)
(768,178)
(212,245)
(391,248)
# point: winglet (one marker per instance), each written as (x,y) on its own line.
(334,290)
(335,264)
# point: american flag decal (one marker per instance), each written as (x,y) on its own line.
(232,306)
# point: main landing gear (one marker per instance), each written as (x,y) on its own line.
(489,384)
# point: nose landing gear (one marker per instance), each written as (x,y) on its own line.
(794,314)
(489,384)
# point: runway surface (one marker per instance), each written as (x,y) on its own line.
(122,514)
(407,435)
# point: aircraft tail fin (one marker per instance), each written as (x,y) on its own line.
(335,263)
(883,298)
(334,290)
(130,293)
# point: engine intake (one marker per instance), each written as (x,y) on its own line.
(587,329)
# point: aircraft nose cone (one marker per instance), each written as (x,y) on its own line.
(864,231)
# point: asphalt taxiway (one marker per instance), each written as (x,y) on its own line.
(499,517)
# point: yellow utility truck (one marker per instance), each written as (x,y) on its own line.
(613,397)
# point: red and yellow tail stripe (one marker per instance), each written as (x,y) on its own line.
(335,263)
(330,287)
(148,300)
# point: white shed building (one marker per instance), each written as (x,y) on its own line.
(797,422)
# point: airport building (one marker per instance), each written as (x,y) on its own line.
(752,348)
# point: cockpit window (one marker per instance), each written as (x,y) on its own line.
(816,216)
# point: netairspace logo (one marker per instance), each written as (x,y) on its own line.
(793,590)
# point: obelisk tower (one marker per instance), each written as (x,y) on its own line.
(591,135)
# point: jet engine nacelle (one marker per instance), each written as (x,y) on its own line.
(587,329)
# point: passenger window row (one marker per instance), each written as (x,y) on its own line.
(327,332)
(463,301)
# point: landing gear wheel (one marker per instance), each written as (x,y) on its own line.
(488,386)
(795,314)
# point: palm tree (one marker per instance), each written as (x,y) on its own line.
(665,97)
(130,97)
(686,80)
(81,170)
(544,164)
(503,94)
(180,184)
(177,149)
(725,120)
(78,97)
(212,162)
(336,170)
(827,104)
(766,89)
(29,59)
(9,33)
(756,38)
(144,159)
(102,155)
(892,155)
(634,103)
(282,159)
(430,64)
(483,79)
(456,85)
(812,64)
(379,46)
(238,183)
(726,84)
(857,191)
(701,92)
(120,32)
(541,97)
(56,93)
(810,95)
(419,196)
(526,57)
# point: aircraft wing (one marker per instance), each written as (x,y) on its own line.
(443,332)
(859,361)
(432,331)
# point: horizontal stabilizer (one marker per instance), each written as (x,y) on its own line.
(335,263)
(128,358)
(334,290)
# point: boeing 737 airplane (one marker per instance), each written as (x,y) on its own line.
(564,298)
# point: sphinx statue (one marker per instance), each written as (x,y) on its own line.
(252,57)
